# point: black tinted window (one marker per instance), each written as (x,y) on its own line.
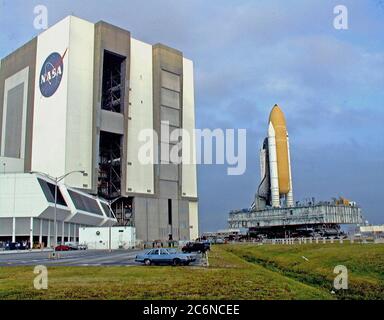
(85,203)
(49,192)
(107,210)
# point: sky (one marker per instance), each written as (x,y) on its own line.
(249,55)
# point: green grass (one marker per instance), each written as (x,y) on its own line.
(365,264)
(235,272)
(228,277)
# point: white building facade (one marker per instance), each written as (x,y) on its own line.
(75,98)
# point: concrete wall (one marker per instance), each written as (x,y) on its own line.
(169,103)
(50,114)
(193,219)
(167,106)
(80,98)
(63,121)
(140,176)
(12,67)
(189,180)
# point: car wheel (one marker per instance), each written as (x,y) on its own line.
(147,262)
(176,262)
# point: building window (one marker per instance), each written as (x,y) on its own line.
(49,192)
(85,203)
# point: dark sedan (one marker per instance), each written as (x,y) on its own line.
(196,247)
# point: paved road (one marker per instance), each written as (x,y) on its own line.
(74,258)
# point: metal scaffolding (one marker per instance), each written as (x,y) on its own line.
(109,180)
(112,83)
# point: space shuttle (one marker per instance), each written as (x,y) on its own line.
(275,188)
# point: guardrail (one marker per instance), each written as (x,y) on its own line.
(321,240)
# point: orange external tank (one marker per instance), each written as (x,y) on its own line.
(277,119)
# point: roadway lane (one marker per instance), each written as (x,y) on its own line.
(75,258)
(71,258)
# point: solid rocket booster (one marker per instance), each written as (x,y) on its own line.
(280,167)
(273,168)
(290,193)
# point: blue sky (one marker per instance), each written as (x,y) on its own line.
(250,55)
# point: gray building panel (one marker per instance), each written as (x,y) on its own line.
(23,57)
(184,219)
(175,219)
(36,226)
(168,189)
(14,120)
(170,98)
(23,226)
(153,219)
(170,80)
(140,209)
(5,226)
(171,115)
(169,172)
(45,227)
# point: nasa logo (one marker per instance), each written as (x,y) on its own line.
(51,74)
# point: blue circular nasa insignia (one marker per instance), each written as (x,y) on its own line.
(51,74)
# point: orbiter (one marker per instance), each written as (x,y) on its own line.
(275,165)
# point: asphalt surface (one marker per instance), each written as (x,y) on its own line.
(75,258)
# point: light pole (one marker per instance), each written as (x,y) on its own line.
(57,180)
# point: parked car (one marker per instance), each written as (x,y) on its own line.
(164,256)
(72,245)
(15,246)
(63,247)
(82,247)
(196,247)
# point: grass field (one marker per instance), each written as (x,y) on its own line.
(235,272)
(313,264)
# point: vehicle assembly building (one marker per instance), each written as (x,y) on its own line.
(76,98)
(274,212)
